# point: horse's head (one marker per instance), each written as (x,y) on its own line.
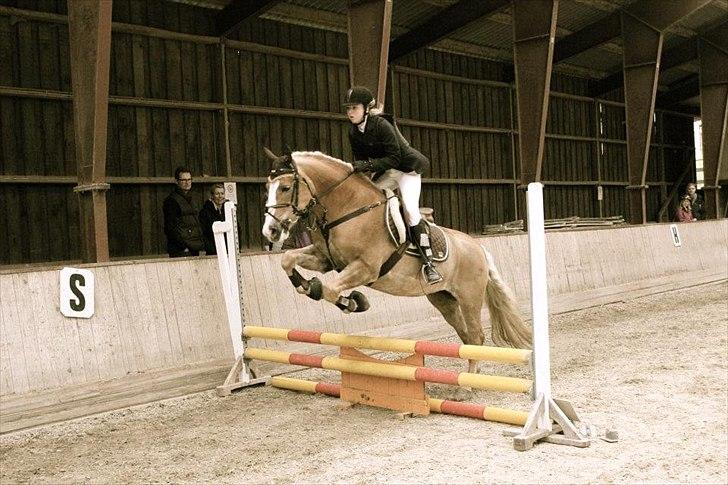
(289,196)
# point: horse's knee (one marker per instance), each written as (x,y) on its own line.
(288,262)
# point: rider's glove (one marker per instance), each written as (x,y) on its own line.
(363,165)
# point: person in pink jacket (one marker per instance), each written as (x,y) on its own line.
(685,212)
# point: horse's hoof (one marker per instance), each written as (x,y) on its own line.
(346,304)
(362,304)
(315,289)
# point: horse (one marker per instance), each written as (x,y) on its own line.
(345,214)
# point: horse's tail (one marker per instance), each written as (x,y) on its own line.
(508,327)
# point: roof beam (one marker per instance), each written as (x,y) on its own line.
(592,35)
(229,18)
(445,22)
(686,88)
(675,57)
(658,14)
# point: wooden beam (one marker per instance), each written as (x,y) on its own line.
(369,23)
(686,88)
(237,11)
(534,31)
(592,35)
(658,14)
(714,111)
(642,49)
(643,24)
(89,30)
(445,22)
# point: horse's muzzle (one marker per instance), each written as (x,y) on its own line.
(273,231)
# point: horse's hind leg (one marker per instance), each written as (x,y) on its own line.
(468,329)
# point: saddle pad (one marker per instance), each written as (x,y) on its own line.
(397,232)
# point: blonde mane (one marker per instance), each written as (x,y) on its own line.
(304,159)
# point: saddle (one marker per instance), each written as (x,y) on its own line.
(397,229)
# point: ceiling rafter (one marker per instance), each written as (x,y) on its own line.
(237,12)
(443,23)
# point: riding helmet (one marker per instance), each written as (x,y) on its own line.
(359,95)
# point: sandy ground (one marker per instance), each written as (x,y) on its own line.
(654,368)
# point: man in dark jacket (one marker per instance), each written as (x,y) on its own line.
(181,225)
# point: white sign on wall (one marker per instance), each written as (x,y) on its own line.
(675,235)
(77,293)
(231,192)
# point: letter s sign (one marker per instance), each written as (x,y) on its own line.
(77,293)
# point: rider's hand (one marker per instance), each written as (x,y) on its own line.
(362,165)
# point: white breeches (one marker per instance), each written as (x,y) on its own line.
(410,185)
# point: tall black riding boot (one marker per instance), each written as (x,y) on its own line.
(420,236)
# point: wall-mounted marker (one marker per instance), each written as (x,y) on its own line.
(77,292)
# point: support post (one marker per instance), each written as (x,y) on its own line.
(643,24)
(714,115)
(370,22)
(534,32)
(546,410)
(642,49)
(89,32)
(227,246)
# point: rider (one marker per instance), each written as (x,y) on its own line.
(378,146)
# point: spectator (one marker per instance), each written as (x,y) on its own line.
(684,212)
(696,202)
(212,210)
(181,226)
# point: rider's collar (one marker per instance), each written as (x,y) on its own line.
(363,125)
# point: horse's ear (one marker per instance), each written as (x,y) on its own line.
(287,150)
(273,157)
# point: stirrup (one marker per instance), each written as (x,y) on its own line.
(436,277)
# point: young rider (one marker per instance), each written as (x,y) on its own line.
(379,147)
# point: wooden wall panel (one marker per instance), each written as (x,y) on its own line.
(472,157)
(152,319)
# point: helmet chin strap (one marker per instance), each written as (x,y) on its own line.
(363,120)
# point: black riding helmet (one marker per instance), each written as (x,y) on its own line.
(359,95)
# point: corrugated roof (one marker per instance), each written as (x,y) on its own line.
(494,33)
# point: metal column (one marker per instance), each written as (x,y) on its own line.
(714,114)
(643,23)
(370,23)
(534,32)
(642,50)
(89,26)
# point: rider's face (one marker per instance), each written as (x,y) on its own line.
(355,113)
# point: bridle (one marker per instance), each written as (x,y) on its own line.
(288,166)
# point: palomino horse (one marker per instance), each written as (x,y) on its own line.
(345,213)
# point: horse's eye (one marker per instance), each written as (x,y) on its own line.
(285,188)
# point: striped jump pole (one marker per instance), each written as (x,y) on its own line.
(468,410)
(394,371)
(425,347)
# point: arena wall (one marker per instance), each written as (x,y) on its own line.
(160,327)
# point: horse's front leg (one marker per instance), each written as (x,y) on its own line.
(355,274)
(309,258)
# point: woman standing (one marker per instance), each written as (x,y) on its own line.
(212,211)
(379,147)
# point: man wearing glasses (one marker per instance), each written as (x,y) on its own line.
(181,225)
